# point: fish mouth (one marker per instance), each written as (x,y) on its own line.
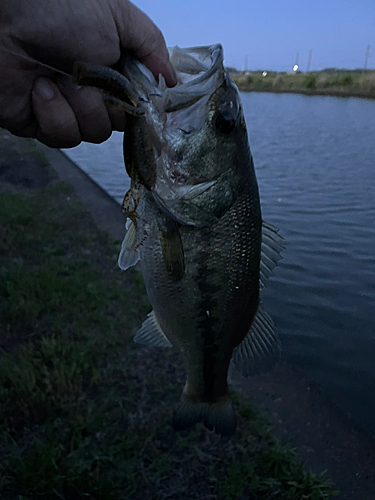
(180,120)
(196,63)
(199,70)
(200,73)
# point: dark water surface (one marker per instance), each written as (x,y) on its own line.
(315,163)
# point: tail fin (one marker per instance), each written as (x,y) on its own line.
(217,416)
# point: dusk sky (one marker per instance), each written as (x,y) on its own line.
(270,32)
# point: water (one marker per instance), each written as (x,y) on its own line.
(104,163)
(315,162)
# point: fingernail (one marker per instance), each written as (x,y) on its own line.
(45,89)
(173,77)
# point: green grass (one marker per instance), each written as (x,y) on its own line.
(84,412)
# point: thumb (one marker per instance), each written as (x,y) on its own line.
(138,33)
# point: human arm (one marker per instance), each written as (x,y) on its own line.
(38,102)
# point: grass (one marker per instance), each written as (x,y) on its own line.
(84,412)
(342,83)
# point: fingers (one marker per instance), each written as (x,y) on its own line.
(154,54)
(117,116)
(67,114)
(57,123)
(90,111)
(61,114)
(138,33)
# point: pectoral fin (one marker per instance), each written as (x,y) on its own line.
(129,254)
(173,253)
(260,349)
(150,333)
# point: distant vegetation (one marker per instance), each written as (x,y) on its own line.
(331,81)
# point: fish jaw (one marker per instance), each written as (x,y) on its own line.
(200,174)
(181,143)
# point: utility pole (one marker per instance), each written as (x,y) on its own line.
(367,55)
(245,65)
(309,61)
(295,67)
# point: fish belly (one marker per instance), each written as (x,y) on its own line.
(208,312)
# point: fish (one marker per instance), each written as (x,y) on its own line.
(194,224)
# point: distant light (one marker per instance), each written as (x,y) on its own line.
(295,67)
(264,73)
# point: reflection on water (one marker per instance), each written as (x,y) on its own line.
(315,162)
(104,163)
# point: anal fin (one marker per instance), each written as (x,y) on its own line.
(151,333)
(260,350)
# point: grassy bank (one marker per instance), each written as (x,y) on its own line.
(84,412)
(342,83)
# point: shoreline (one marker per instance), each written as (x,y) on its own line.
(333,83)
(311,92)
(71,247)
(75,380)
(324,435)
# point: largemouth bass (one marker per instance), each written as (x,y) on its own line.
(195,224)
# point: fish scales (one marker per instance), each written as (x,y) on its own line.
(207,309)
(216,299)
(195,224)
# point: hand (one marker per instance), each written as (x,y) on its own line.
(38,102)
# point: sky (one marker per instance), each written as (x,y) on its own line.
(269,33)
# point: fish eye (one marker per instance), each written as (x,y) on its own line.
(225,121)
